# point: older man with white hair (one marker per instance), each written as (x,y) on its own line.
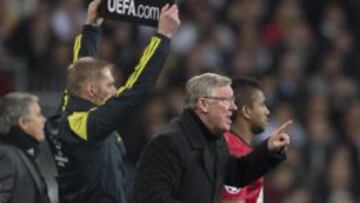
(21,130)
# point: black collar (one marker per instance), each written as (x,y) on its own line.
(195,130)
(204,129)
(78,104)
(20,139)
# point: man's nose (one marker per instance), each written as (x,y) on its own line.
(267,111)
(233,106)
(43,118)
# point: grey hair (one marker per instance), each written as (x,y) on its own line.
(202,86)
(13,106)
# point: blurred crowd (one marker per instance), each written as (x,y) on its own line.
(306,54)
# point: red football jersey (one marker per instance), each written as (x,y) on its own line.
(252,193)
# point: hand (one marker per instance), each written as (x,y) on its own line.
(279,139)
(92,17)
(169,20)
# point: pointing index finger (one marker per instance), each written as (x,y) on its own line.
(165,8)
(284,127)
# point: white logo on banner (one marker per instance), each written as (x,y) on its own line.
(128,7)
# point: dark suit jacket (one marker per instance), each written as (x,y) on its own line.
(20,179)
(179,166)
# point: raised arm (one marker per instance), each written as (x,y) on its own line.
(87,43)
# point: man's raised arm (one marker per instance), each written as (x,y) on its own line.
(87,43)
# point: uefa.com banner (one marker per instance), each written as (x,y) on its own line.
(145,12)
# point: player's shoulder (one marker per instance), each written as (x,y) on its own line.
(231,138)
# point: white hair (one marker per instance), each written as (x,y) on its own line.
(202,86)
(12,107)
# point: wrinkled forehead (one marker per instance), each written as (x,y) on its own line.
(223,91)
(34,107)
(106,74)
(258,95)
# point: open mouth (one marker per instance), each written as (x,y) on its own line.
(228,119)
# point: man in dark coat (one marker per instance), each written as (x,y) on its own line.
(21,130)
(189,162)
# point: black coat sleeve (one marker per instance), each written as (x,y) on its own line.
(98,123)
(158,173)
(243,170)
(87,43)
(7,177)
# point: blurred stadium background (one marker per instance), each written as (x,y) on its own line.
(305,53)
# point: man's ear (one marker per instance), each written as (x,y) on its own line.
(246,112)
(23,123)
(89,89)
(203,105)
